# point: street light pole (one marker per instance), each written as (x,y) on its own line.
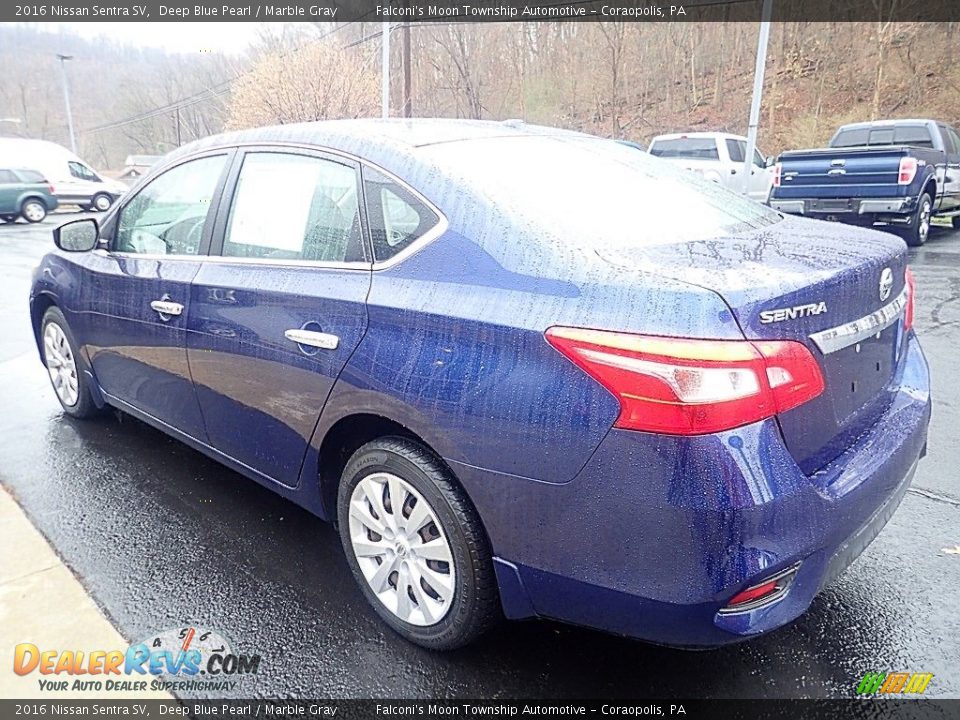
(757,93)
(385,70)
(66,99)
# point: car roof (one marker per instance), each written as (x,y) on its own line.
(677,136)
(396,132)
(886,123)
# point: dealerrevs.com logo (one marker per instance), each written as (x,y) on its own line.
(179,659)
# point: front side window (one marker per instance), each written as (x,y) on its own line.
(79,170)
(169,215)
(295,207)
(7,177)
(736,149)
(397,217)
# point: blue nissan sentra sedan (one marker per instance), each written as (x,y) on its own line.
(527,372)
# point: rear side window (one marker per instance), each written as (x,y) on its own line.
(694,148)
(168,216)
(295,207)
(7,177)
(397,217)
(30,176)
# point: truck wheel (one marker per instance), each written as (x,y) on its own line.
(101,202)
(918,230)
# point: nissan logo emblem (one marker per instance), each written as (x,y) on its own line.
(886,283)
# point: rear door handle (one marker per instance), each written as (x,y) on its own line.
(837,171)
(167,308)
(324,341)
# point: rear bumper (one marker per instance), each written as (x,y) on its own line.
(656,534)
(846,208)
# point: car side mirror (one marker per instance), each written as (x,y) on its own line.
(77,236)
(769,161)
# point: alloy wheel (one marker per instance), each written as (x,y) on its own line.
(34,211)
(60,364)
(101,203)
(402,549)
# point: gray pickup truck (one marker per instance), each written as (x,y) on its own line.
(896,173)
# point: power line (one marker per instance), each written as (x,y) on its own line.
(210,93)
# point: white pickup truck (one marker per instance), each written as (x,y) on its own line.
(717,157)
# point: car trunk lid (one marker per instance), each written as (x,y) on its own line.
(808,281)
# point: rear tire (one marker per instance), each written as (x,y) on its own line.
(917,232)
(396,486)
(33,211)
(65,366)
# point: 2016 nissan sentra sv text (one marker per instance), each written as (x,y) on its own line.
(528,372)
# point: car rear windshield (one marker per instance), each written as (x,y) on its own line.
(695,148)
(596,192)
(916,135)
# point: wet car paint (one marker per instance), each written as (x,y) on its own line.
(162,535)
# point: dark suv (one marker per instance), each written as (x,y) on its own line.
(25,193)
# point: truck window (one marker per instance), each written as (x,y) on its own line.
(79,170)
(916,135)
(694,148)
(735,149)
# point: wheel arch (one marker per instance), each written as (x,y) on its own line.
(38,307)
(27,197)
(347,435)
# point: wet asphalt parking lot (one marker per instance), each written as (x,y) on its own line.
(163,537)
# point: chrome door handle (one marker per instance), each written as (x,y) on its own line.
(167,308)
(324,341)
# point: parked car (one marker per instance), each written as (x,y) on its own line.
(718,157)
(896,173)
(26,194)
(644,404)
(74,181)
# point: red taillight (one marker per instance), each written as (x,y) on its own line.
(908,170)
(911,291)
(777,174)
(50,187)
(679,386)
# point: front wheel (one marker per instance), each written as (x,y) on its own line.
(101,202)
(917,232)
(415,545)
(33,211)
(70,383)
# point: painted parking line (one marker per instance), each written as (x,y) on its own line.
(41,602)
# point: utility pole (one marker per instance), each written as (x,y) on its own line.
(179,143)
(385,70)
(407,94)
(66,99)
(758,73)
